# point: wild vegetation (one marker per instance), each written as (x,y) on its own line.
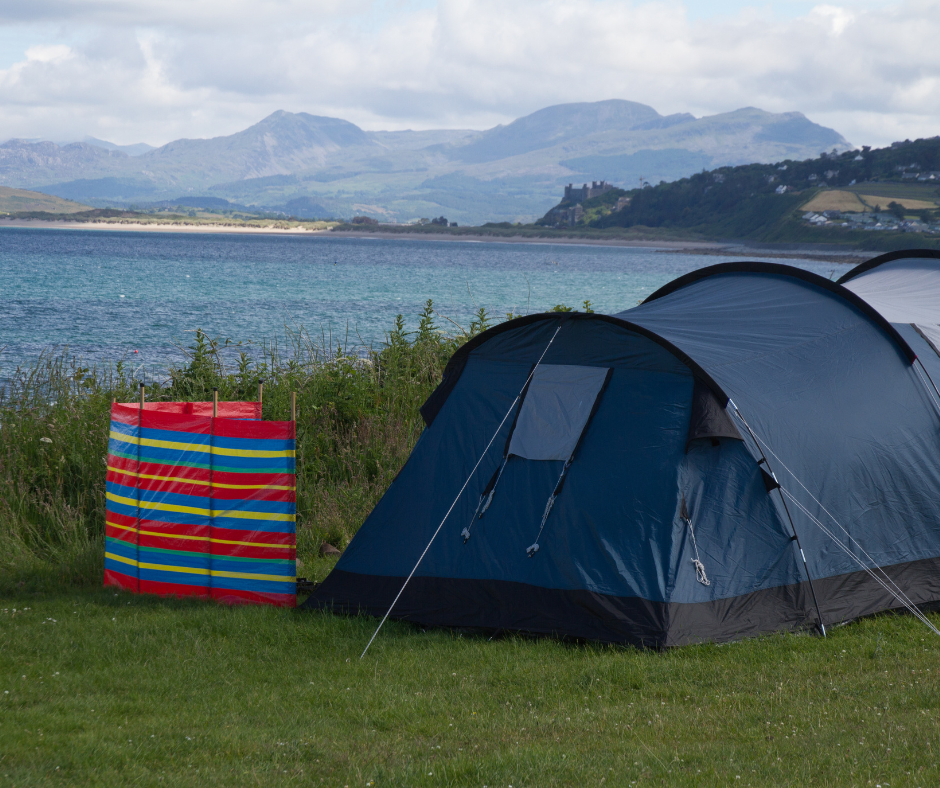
(357,421)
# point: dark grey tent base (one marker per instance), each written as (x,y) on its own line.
(519,607)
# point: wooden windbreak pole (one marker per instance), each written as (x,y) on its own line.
(215,403)
(293,406)
(143,395)
(261,392)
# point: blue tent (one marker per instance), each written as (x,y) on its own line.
(754,448)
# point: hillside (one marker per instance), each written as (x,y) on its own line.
(21,201)
(512,172)
(867,196)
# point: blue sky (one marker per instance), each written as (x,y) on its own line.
(156,70)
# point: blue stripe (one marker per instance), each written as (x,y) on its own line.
(126,429)
(190,560)
(267,526)
(128,571)
(173,456)
(176,436)
(120,508)
(258,586)
(118,547)
(254,464)
(254,566)
(253,444)
(124,490)
(121,447)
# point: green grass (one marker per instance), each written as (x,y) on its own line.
(98,688)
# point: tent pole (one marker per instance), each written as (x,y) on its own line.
(796,538)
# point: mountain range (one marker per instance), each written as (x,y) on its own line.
(312,166)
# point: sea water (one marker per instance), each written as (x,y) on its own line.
(108,295)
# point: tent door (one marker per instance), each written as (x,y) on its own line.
(556,408)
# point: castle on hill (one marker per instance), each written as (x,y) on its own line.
(586,192)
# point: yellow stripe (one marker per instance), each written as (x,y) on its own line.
(199,447)
(120,558)
(189,570)
(204,483)
(245,576)
(170,507)
(122,527)
(252,544)
(204,538)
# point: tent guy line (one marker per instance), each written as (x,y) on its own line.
(464,487)
(891,587)
(899,595)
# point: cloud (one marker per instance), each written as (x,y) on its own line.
(158,70)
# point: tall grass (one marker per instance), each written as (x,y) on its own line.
(357,421)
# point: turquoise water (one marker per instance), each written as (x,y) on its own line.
(105,294)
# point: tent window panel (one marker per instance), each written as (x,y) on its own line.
(555,411)
(930,333)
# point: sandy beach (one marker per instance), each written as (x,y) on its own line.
(715,248)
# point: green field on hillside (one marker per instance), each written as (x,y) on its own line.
(21,200)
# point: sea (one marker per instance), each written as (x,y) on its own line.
(105,295)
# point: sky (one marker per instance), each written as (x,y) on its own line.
(157,70)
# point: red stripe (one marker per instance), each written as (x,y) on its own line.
(227,410)
(124,414)
(168,542)
(253,536)
(228,477)
(201,529)
(118,580)
(234,597)
(121,519)
(177,488)
(241,551)
(178,471)
(264,494)
(120,534)
(124,479)
(172,589)
(265,430)
(122,463)
(174,422)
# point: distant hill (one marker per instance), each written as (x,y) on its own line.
(22,201)
(767,202)
(512,172)
(136,149)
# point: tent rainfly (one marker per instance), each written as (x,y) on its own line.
(754,448)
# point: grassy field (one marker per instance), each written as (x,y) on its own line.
(100,688)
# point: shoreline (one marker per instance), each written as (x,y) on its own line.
(712,248)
